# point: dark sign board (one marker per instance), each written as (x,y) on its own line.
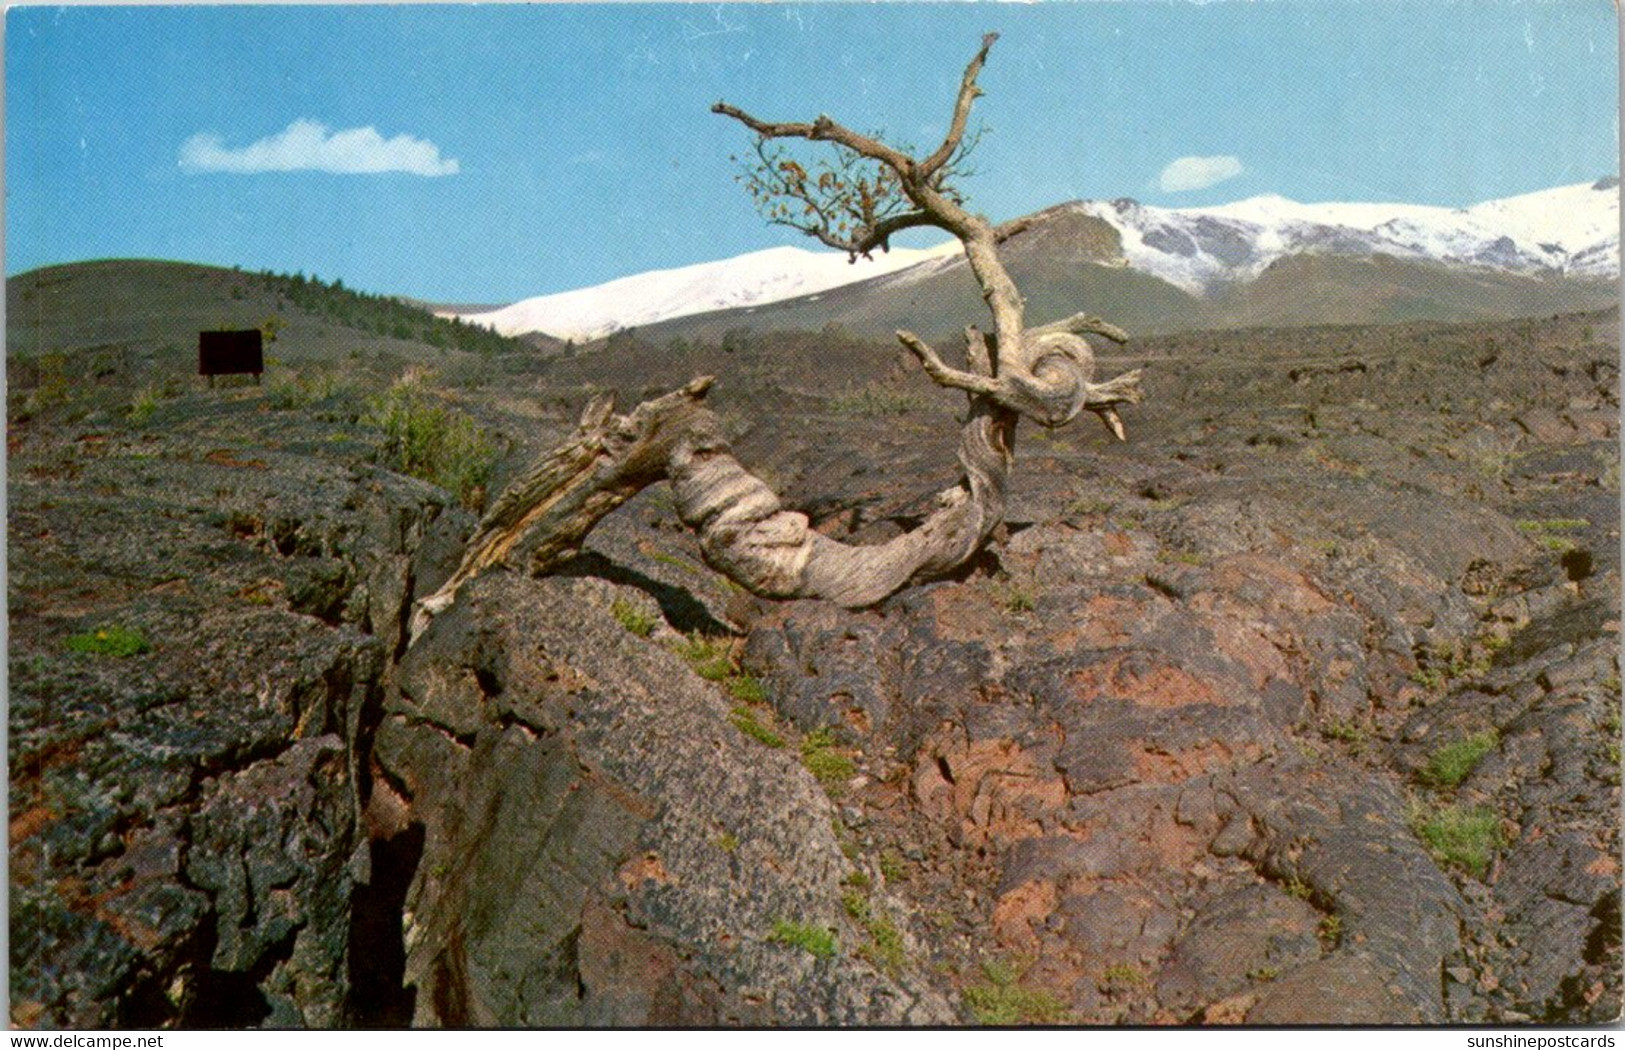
(230,353)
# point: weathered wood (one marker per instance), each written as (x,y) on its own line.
(744,531)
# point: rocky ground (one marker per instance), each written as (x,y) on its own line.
(1300,707)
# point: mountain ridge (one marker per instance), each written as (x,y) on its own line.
(1210,256)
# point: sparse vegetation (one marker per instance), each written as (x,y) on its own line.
(831,767)
(1119,976)
(1547,532)
(744,720)
(876,400)
(380,314)
(1330,931)
(287,391)
(1466,837)
(727,842)
(892,866)
(1002,999)
(144,404)
(1439,665)
(884,948)
(710,658)
(814,940)
(432,442)
(1452,763)
(746,688)
(1344,731)
(1264,974)
(634,619)
(1015,595)
(113,641)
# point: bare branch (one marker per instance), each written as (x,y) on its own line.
(822,130)
(968,94)
(1006,230)
(1078,324)
(945,375)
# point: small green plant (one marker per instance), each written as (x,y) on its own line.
(727,842)
(1346,732)
(432,442)
(144,404)
(1017,596)
(1464,837)
(747,689)
(885,947)
(109,641)
(829,766)
(634,619)
(1120,976)
(892,866)
(857,880)
(814,940)
(1553,525)
(744,720)
(676,562)
(1439,665)
(1002,999)
(1264,974)
(286,391)
(1330,931)
(710,658)
(832,768)
(1544,532)
(1451,764)
(1296,887)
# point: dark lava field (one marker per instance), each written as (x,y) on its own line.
(1302,706)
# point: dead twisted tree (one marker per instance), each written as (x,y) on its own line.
(873,191)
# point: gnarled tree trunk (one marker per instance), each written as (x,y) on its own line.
(1044,373)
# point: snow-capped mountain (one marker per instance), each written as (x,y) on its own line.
(1569,229)
(660,295)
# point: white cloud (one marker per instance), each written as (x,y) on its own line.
(1197,173)
(306,145)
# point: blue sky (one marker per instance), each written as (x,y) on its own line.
(489,153)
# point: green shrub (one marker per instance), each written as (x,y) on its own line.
(710,658)
(1467,838)
(814,940)
(429,441)
(1003,1000)
(632,618)
(832,768)
(144,404)
(109,641)
(1452,763)
(747,689)
(744,720)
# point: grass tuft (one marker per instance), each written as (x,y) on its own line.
(109,641)
(1452,763)
(832,768)
(744,720)
(432,442)
(814,940)
(632,618)
(1464,837)
(1003,1000)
